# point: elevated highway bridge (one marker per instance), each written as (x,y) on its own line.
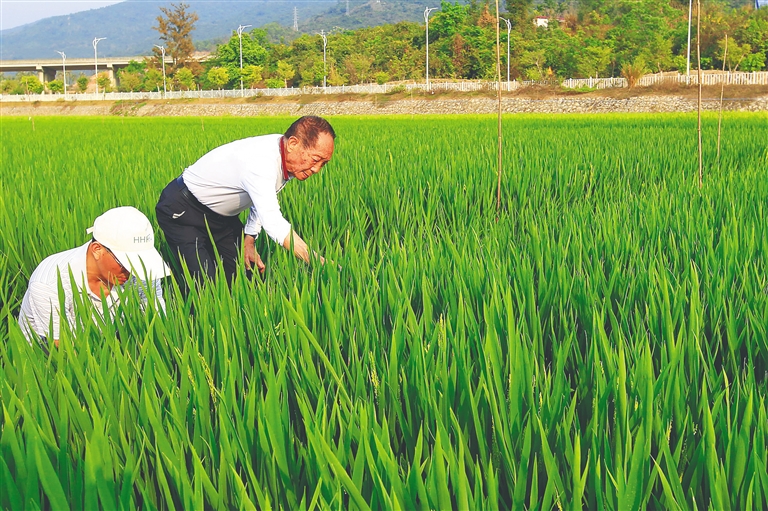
(47,68)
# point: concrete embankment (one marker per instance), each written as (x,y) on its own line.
(386,106)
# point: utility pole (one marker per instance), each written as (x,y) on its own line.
(64,72)
(96,61)
(162,51)
(295,19)
(240,36)
(427,10)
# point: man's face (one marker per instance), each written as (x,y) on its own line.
(302,162)
(109,267)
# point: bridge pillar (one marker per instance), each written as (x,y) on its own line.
(49,74)
(111,74)
(40,73)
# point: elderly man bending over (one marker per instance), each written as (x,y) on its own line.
(121,254)
(243,175)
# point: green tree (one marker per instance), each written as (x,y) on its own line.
(136,67)
(358,67)
(153,80)
(534,63)
(105,84)
(252,75)
(735,55)
(255,53)
(336,79)
(131,77)
(594,60)
(218,76)
(175,26)
(130,81)
(285,72)
(56,86)
(520,14)
(185,78)
(31,84)
(753,62)
(10,87)
(641,30)
(82,83)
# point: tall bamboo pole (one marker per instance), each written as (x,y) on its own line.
(722,91)
(698,58)
(498,88)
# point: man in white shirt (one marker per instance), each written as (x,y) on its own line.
(121,254)
(244,174)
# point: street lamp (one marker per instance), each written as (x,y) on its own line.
(427,10)
(162,51)
(96,60)
(688,59)
(325,43)
(64,72)
(509,31)
(240,36)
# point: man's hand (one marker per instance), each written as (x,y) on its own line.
(301,250)
(251,256)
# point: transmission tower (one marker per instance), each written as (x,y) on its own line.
(295,19)
(347,7)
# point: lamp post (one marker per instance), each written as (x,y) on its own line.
(688,58)
(96,60)
(325,43)
(162,52)
(509,31)
(240,36)
(64,72)
(427,10)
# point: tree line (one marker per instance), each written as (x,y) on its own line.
(583,38)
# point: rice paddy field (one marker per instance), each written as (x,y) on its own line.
(600,342)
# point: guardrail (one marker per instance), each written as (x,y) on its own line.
(754,78)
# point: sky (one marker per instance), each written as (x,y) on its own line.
(20,12)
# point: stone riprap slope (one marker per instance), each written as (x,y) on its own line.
(389,107)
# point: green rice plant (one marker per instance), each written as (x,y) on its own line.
(600,344)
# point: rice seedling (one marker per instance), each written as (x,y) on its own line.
(600,342)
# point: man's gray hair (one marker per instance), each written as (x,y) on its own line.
(308,128)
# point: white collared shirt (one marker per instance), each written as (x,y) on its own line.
(240,175)
(40,308)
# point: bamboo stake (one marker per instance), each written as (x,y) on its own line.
(698,58)
(722,90)
(498,88)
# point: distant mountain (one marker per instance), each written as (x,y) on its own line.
(128,25)
(370,13)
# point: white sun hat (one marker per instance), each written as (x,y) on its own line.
(127,232)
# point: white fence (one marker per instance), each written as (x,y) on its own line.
(709,78)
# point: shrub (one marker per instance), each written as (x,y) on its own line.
(56,86)
(82,83)
(632,72)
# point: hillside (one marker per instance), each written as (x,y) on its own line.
(128,25)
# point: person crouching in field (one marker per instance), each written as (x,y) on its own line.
(121,254)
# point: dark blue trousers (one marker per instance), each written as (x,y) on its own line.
(186,222)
